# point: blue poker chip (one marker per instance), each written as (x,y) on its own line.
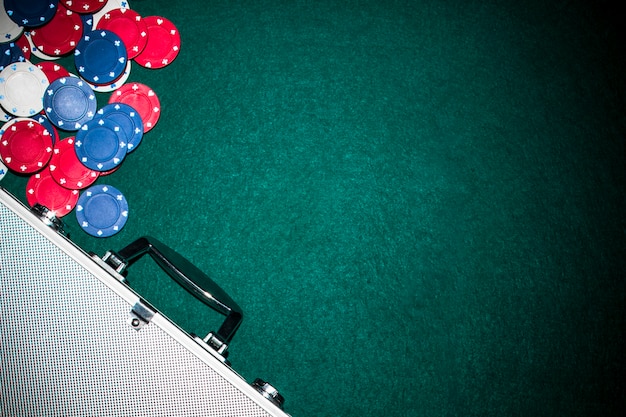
(45,122)
(100,57)
(69,103)
(87,20)
(10,53)
(102,210)
(31,13)
(100,144)
(128,119)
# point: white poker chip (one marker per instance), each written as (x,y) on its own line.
(9,30)
(22,86)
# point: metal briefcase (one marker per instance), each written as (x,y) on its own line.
(75,340)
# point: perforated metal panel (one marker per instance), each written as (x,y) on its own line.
(66,348)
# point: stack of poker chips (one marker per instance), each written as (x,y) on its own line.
(53,130)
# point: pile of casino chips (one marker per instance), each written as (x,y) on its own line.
(53,130)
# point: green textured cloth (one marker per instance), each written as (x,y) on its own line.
(418,205)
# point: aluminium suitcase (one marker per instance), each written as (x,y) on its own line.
(75,340)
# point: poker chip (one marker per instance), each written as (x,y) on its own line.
(59,36)
(129,26)
(22,86)
(100,144)
(143,99)
(25,145)
(10,53)
(9,30)
(129,121)
(110,5)
(102,210)
(84,6)
(3,170)
(66,168)
(31,13)
(45,122)
(87,20)
(69,103)
(100,57)
(4,117)
(36,52)
(109,172)
(114,85)
(163,43)
(41,188)
(53,70)
(24,46)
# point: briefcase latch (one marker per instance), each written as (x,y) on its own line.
(269,392)
(49,218)
(215,342)
(189,277)
(140,315)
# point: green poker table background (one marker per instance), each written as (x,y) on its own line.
(419,205)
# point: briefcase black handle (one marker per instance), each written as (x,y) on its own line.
(189,277)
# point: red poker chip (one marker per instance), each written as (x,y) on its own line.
(25,145)
(59,36)
(143,99)
(67,170)
(53,70)
(84,6)
(163,43)
(129,26)
(43,189)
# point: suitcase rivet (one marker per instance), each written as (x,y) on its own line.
(135,322)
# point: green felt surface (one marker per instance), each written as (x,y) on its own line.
(419,205)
